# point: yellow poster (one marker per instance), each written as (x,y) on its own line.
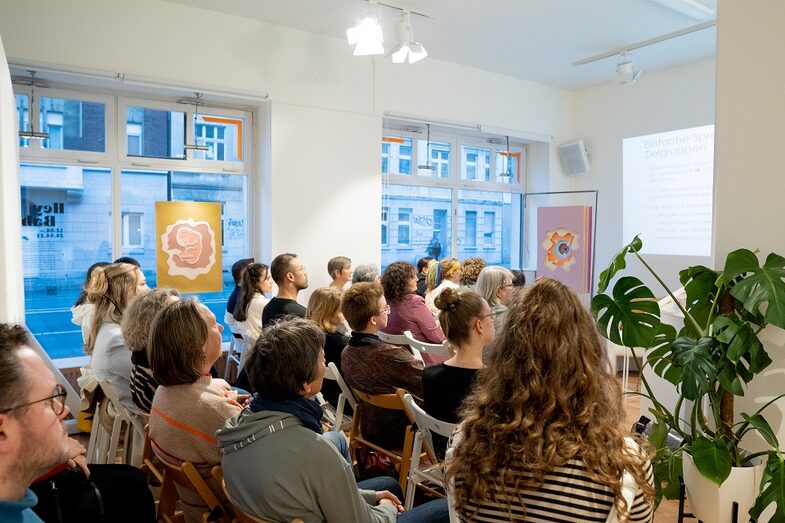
(189,246)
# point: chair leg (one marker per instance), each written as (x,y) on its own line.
(411,484)
(406,457)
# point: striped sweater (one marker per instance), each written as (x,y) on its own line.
(568,495)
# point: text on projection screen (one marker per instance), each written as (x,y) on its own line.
(667,181)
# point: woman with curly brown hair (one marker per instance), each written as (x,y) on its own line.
(540,437)
(407,308)
(471,270)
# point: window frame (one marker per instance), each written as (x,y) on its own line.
(457,139)
(127,230)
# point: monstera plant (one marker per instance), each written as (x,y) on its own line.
(710,360)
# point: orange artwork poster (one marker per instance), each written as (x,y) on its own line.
(189,246)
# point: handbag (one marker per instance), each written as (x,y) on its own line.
(68,496)
(371,464)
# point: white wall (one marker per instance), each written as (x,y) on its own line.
(750,164)
(325,102)
(675,98)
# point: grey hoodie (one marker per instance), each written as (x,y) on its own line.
(277,469)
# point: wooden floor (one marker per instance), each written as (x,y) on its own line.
(668,511)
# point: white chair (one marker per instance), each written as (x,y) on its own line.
(235,355)
(346,396)
(112,424)
(402,340)
(426,425)
(434,349)
(335,417)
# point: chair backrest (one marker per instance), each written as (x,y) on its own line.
(345,390)
(434,349)
(393,339)
(426,424)
(187,476)
(383,401)
(113,424)
(243,516)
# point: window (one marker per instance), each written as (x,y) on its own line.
(464,205)
(476,163)
(67,218)
(404,226)
(489,227)
(385,211)
(470,229)
(132,230)
(75,125)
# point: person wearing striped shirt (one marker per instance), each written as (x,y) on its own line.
(540,438)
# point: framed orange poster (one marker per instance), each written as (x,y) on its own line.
(189,246)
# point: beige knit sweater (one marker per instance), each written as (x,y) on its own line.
(183,422)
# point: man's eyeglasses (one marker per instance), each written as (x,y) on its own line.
(58,406)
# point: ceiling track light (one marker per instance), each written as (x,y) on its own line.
(427,166)
(508,172)
(625,73)
(32,133)
(368,39)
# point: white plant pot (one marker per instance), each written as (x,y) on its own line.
(714,504)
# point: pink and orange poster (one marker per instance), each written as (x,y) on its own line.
(189,246)
(564,253)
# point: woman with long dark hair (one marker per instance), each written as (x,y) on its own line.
(541,435)
(251,299)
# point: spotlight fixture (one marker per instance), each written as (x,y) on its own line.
(625,74)
(427,165)
(407,48)
(32,134)
(366,36)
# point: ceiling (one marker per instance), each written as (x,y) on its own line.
(532,39)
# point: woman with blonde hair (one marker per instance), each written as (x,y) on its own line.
(541,437)
(111,290)
(324,309)
(445,274)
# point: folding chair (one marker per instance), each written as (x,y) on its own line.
(335,416)
(438,350)
(401,456)
(113,424)
(242,516)
(187,476)
(425,424)
(402,340)
(235,356)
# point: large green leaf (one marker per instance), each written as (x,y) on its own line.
(631,317)
(712,458)
(763,427)
(698,371)
(667,470)
(742,343)
(772,489)
(762,285)
(618,263)
(700,285)
(660,354)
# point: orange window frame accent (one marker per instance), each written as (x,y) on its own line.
(230,121)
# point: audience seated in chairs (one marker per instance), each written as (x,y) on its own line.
(408,311)
(545,416)
(445,274)
(367,272)
(136,331)
(251,301)
(375,367)
(471,268)
(36,445)
(324,309)
(422,271)
(277,463)
(495,286)
(189,405)
(82,311)
(467,321)
(238,268)
(340,270)
(111,290)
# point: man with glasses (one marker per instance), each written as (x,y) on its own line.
(33,438)
(291,276)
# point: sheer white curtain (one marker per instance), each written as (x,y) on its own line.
(11,274)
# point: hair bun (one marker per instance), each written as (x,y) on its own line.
(99,284)
(447,299)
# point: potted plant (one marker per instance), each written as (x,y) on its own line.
(710,361)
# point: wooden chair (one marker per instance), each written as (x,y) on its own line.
(335,416)
(425,425)
(242,516)
(151,465)
(400,456)
(434,349)
(113,425)
(187,476)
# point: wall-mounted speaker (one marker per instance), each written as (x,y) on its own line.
(574,157)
